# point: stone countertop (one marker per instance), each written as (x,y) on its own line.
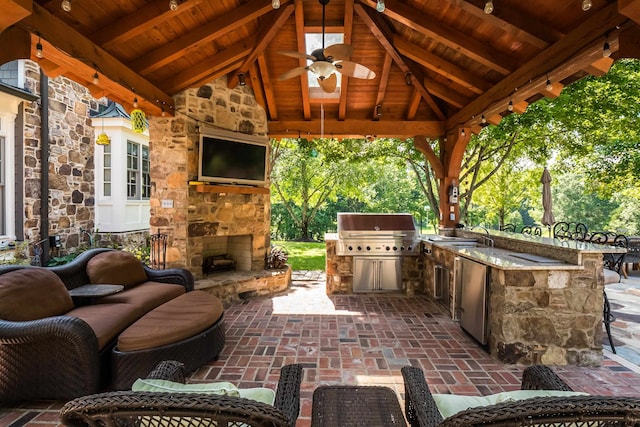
(505,259)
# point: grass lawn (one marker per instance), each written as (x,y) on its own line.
(304,255)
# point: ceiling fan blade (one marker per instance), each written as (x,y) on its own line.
(337,52)
(294,54)
(293,73)
(329,84)
(353,69)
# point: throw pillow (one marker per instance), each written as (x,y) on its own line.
(116,268)
(264,395)
(450,404)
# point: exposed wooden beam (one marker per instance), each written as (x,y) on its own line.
(268,30)
(143,19)
(304,83)
(422,145)
(267,86)
(202,34)
(630,9)
(210,68)
(512,21)
(382,87)
(445,93)
(256,86)
(384,34)
(83,52)
(348,32)
(414,103)
(432,28)
(16,44)
(356,128)
(600,67)
(14,11)
(560,58)
(441,66)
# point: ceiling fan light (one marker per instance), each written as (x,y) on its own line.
(322,68)
(380,6)
(275,4)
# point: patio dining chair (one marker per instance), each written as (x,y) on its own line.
(151,408)
(556,405)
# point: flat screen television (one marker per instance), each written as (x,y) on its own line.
(233,158)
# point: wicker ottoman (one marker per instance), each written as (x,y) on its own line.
(189,329)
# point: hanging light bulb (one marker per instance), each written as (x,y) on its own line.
(275,4)
(173,5)
(66,5)
(549,85)
(462,132)
(510,106)
(488,7)
(586,5)
(96,78)
(39,53)
(242,79)
(380,6)
(135,102)
(483,119)
(606,49)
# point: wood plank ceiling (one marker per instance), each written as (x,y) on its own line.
(441,65)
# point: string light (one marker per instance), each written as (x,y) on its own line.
(510,106)
(488,7)
(379,110)
(462,132)
(173,5)
(275,4)
(96,78)
(606,49)
(39,53)
(242,78)
(549,85)
(380,6)
(66,5)
(586,5)
(135,102)
(407,78)
(483,119)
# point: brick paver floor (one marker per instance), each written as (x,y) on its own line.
(356,339)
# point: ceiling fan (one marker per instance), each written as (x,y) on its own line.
(327,61)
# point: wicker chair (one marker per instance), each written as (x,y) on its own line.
(135,408)
(421,410)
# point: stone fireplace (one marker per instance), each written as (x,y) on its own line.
(203,220)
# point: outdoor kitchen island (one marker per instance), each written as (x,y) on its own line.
(543,297)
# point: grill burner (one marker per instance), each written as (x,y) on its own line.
(377,234)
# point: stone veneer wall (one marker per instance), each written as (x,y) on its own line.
(71,165)
(173,146)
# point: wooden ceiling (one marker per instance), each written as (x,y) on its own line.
(441,65)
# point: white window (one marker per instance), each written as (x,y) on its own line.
(138,179)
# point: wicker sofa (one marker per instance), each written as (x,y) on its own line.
(52,347)
(421,408)
(128,408)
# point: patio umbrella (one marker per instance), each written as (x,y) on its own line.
(547,217)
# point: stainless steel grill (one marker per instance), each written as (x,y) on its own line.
(379,234)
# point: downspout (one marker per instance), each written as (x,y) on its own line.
(44,168)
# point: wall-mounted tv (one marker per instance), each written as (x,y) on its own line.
(233,158)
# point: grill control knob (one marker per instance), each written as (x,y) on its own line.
(388,248)
(359,248)
(368,248)
(350,248)
(402,248)
(409,248)
(395,248)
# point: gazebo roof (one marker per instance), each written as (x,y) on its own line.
(441,65)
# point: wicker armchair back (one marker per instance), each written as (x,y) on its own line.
(421,409)
(128,408)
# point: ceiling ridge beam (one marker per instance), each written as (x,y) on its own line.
(480,52)
(565,50)
(441,66)
(384,35)
(268,30)
(134,24)
(205,33)
(83,50)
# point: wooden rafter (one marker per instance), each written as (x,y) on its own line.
(344,85)
(14,11)
(385,36)
(267,32)
(474,49)
(382,87)
(414,103)
(270,99)
(562,57)
(304,83)
(202,34)
(81,51)
(445,93)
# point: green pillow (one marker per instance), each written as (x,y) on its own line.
(450,404)
(264,395)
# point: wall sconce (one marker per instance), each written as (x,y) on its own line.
(242,78)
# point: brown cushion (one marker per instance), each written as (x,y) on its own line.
(147,295)
(32,293)
(116,268)
(180,318)
(107,320)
